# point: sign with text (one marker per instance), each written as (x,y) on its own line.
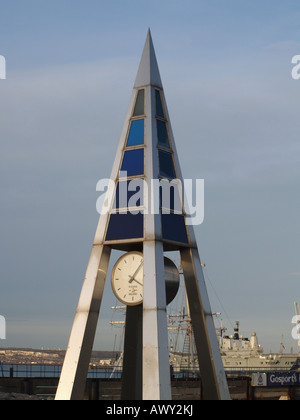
(276,379)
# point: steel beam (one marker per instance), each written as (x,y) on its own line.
(156,369)
(75,369)
(133,348)
(210,361)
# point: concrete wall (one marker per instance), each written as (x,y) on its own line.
(110,390)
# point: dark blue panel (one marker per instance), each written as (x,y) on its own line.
(169,196)
(136,135)
(133,162)
(140,104)
(159,107)
(162,134)
(173,228)
(129,194)
(125,226)
(166,166)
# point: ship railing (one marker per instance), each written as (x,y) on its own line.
(233,371)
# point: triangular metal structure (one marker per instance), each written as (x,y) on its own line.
(151,226)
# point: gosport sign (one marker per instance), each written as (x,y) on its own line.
(283,379)
(276,379)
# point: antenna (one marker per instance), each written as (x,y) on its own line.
(282,346)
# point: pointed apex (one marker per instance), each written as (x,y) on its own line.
(148,73)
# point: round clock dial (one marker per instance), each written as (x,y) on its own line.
(127,278)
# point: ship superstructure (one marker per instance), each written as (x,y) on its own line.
(239,354)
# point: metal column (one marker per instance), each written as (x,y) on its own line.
(156,370)
(132,385)
(74,373)
(210,361)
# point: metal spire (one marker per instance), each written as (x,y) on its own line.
(148,73)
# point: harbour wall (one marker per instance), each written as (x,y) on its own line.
(241,388)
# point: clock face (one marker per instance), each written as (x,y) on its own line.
(127,278)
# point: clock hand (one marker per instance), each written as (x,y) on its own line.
(137,282)
(138,269)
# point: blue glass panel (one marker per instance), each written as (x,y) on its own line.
(166,166)
(129,194)
(159,108)
(133,162)
(125,226)
(162,134)
(173,228)
(136,134)
(140,104)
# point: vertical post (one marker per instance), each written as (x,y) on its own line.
(211,366)
(75,369)
(156,370)
(132,365)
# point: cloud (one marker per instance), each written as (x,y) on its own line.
(58,126)
(43,332)
(238,116)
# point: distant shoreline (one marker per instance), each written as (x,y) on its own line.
(46,356)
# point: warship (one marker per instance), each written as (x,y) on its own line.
(239,354)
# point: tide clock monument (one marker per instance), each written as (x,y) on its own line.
(144,279)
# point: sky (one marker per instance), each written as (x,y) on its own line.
(234,108)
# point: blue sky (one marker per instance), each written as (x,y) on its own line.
(234,108)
